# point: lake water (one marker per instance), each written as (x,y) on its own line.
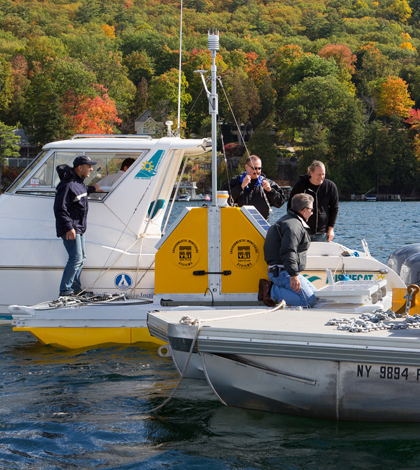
(90,408)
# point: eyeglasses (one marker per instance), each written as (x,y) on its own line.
(309,209)
(255,167)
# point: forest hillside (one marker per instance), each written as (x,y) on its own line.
(339,80)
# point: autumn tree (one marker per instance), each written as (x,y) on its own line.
(6,80)
(394,99)
(90,115)
(43,117)
(343,57)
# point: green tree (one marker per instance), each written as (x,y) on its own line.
(8,142)
(6,80)
(43,118)
(261,144)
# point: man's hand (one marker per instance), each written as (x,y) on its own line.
(330,233)
(246,181)
(295,283)
(266,186)
(71,234)
(97,188)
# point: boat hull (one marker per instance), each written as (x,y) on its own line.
(76,338)
(337,390)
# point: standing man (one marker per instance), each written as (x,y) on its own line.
(253,189)
(285,248)
(70,210)
(325,196)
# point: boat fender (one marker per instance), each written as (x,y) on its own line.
(165,351)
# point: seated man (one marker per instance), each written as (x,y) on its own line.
(111,179)
(285,250)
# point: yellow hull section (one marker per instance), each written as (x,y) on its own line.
(76,338)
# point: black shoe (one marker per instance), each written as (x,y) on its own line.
(264,293)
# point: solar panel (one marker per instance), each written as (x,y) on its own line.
(256,219)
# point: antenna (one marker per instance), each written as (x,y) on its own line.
(178,130)
(213,38)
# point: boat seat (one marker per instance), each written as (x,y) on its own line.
(160,204)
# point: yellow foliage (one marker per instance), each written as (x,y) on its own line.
(407,45)
(108,30)
(405,36)
(394,98)
(401,9)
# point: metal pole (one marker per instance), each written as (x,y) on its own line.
(213,39)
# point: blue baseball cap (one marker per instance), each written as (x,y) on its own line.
(83,160)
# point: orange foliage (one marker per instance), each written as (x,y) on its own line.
(88,115)
(394,98)
(341,54)
(255,70)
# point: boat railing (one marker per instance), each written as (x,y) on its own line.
(115,136)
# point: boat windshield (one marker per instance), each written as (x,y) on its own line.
(44,179)
(25,172)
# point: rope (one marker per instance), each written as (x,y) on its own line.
(246,148)
(186,320)
(183,372)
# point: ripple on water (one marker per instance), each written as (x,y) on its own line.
(90,408)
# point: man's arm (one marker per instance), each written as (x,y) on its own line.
(274,193)
(63,200)
(288,252)
(297,189)
(235,188)
(333,211)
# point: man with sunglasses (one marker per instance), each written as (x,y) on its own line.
(285,248)
(253,189)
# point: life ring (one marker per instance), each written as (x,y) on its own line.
(165,350)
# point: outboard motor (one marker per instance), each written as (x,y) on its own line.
(410,270)
(397,258)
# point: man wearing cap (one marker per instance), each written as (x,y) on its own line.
(70,210)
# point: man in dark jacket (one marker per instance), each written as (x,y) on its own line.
(285,248)
(70,210)
(325,196)
(253,189)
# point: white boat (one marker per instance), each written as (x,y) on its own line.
(124,223)
(296,361)
(184,198)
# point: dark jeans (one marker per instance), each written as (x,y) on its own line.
(319,237)
(70,282)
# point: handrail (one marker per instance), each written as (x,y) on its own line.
(131,136)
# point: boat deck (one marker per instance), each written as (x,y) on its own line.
(290,332)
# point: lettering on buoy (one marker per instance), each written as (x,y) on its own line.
(243,253)
(185,253)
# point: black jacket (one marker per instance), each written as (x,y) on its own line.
(253,195)
(325,203)
(71,202)
(287,242)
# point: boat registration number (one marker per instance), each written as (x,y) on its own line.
(388,372)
